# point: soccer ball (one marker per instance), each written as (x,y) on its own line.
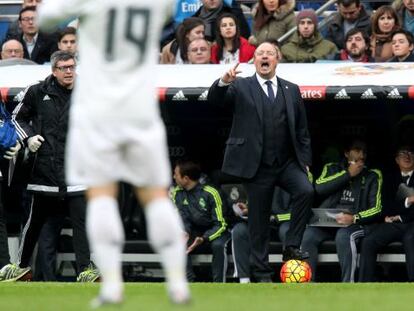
(295,271)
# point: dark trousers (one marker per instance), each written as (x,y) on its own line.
(44,208)
(260,191)
(380,236)
(4,246)
(241,249)
(219,263)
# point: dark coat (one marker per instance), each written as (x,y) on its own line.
(366,187)
(335,27)
(45,46)
(245,145)
(44,110)
(394,203)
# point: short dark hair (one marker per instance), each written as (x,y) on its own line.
(347,3)
(66,31)
(28,8)
(408,35)
(354,31)
(357,144)
(189,168)
(59,56)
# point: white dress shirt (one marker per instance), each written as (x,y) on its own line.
(263,84)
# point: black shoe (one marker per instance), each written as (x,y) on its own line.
(294,253)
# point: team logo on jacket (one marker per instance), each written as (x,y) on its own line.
(185,202)
(202,203)
(46,97)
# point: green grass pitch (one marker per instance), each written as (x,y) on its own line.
(214,297)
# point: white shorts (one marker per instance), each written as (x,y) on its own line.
(98,153)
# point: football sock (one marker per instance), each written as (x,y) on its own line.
(106,238)
(166,234)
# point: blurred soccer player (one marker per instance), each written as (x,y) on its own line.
(116,133)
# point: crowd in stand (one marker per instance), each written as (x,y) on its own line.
(219,33)
(231,41)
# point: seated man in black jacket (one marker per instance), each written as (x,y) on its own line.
(350,186)
(398,225)
(201,208)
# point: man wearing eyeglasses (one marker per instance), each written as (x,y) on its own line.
(199,52)
(37,46)
(398,223)
(269,145)
(41,121)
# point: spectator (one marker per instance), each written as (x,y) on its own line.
(402,46)
(351,14)
(41,120)
(307,44)
(230,47)
(384,23)
(37,46)
(199,52)
(67,40)
(351,186)
(271,20)
(211,9)
(11,49)
(175,52)
(405,11)
(356,48)
(201,209)
(12,54)
(14,31)
(398,225)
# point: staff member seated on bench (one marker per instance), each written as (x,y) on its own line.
(347,185)
(201,208)
(399,224)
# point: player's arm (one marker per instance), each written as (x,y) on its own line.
(331,179)
(219,223)
(374,204)
(52,12)
(23,115)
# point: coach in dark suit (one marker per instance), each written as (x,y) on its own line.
(269,145)
(398,224)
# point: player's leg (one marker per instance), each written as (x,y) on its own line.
(166,234)
(106,238)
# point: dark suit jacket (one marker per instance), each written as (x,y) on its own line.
(245,144)
(395,204)
(45,45)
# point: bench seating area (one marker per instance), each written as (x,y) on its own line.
(139,251)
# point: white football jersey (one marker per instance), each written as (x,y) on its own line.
(118,50)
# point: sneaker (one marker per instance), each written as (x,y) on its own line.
(12,273)
(100,301)
(294,253)
(89,275)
